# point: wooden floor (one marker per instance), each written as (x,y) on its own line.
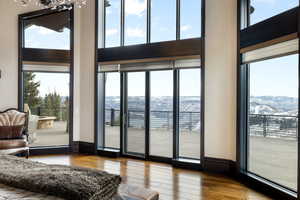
(171,183)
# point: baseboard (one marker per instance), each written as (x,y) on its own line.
(49,151)
(86,148)
(217,165)
(108,153)
(75,147)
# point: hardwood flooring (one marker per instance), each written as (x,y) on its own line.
(171,183)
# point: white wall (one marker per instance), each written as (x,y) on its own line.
(87,72)
(220,80)
(9,52)
(9,11)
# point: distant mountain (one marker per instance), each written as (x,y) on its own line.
(277,105)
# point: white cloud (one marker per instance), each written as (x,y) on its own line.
(135,7)
(111,32)
(44,31)
(266,1)
(135,32)
(40,30)
(186,27)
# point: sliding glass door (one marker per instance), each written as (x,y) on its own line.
(134,113)
(161,113)
(151,110)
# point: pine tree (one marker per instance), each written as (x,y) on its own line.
(31,90)
(52,105)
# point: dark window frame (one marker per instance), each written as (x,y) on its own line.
(148,23)
(195,51)
(49,55)
(243,31)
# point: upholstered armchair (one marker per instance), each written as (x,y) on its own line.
(14,132)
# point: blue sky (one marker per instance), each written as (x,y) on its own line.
(163,23)
(57,82)
(268,8)
(275,77)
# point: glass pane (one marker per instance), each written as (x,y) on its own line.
(136,113)
(261,10)
(189,113)
(135,22)
(48,31)
(163,20)
(112,23)
(161,113)
(190,21)
(112,110)
(273,110)
(47,102)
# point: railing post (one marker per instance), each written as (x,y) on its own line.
(112,117)
(168,119)
(191,121)
(265,125)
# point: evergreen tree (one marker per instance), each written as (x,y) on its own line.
(31,90)
(52,105)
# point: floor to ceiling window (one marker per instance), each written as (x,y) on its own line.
(272,125)
(146,107)
(189,113)
(112,110)
(161,113)
(46,81)
(269,96)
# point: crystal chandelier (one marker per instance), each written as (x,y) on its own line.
(54,4)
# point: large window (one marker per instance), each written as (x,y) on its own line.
(163,20)
(161,113)
(113,23)
(48,31)
(47,101)
(112,110)
(135,113)
(190,21)
(273,120)
(153,107)
(45,82)
(189,113)
(135,22)
(131,22)
(262,10)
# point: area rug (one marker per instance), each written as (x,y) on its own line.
(71,183)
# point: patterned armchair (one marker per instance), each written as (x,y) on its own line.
(14,132)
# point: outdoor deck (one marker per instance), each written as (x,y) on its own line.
(56,136)
(274,158)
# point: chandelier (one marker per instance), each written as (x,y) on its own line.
(54,4)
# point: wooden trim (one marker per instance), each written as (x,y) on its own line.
(153,50)
(46,55)
(108,153)
(45,63)
(217,165)
(49,150)
(270,42)
(149,60)
(87,148)
(278,26)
